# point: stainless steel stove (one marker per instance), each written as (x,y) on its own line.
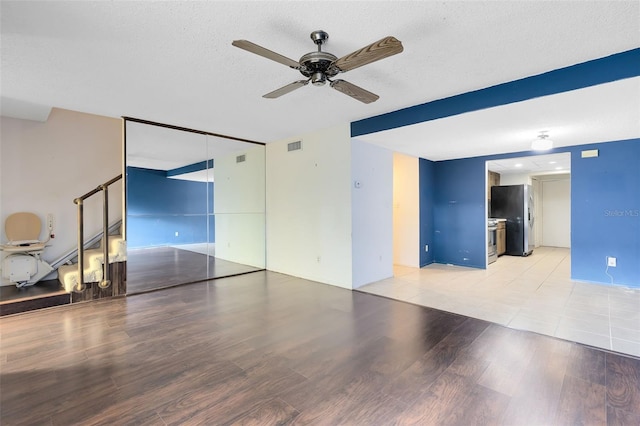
(492,249)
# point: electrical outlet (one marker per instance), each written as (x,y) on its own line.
(177,234)
(50,221)
(426,247)
(611,261)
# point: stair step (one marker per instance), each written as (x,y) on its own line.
(93,259)
(68,276)
(30,304)
(117,248)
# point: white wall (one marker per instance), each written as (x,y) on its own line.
(372,172)
(537,211)
(556,211)
(239,206)
(44,166)
(515,179)
(406,211)
(309,207)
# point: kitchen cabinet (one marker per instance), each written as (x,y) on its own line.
(501,238)
(493,179)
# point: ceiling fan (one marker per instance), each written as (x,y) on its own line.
(320,67)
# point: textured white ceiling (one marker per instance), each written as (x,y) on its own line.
(173,62)
(533,165)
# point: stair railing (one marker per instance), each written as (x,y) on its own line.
(106,282)
(88,242)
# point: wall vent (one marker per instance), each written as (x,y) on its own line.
(241,158)
(590,153)
(294,146)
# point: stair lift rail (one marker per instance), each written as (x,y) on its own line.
(104,188)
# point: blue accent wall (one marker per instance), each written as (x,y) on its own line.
(158,207)
(426,170)
(459,217)
(605,211)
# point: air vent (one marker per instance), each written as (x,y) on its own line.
(294,146)
(241,158)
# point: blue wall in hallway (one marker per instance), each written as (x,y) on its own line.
(459,212)
(158,206)
(605,211)
(427,185)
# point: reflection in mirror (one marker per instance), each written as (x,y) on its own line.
(195,206)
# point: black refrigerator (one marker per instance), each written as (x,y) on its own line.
(515,204)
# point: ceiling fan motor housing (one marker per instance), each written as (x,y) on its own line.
(317,66)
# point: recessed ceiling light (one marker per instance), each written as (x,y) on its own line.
(518,165)
(552,162)
(558,168)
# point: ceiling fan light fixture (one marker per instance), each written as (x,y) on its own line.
(542,142)
(318,79)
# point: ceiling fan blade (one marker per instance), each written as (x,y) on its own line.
(259,50)
(354,91)
(381,49)
(286,89)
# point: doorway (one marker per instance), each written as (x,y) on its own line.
(406,211)
(555,217)
(550,178)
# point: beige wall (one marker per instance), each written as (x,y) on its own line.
(45,165)
(406,211)
(309,207)
(239,202)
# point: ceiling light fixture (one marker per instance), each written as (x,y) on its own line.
(542,142)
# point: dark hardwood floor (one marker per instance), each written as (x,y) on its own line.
(147,270)
(162,267)
(266,348)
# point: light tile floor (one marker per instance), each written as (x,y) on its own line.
(533,293)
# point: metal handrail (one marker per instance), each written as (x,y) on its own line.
(98,189)
(105,236)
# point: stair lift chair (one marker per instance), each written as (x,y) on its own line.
(23,265)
